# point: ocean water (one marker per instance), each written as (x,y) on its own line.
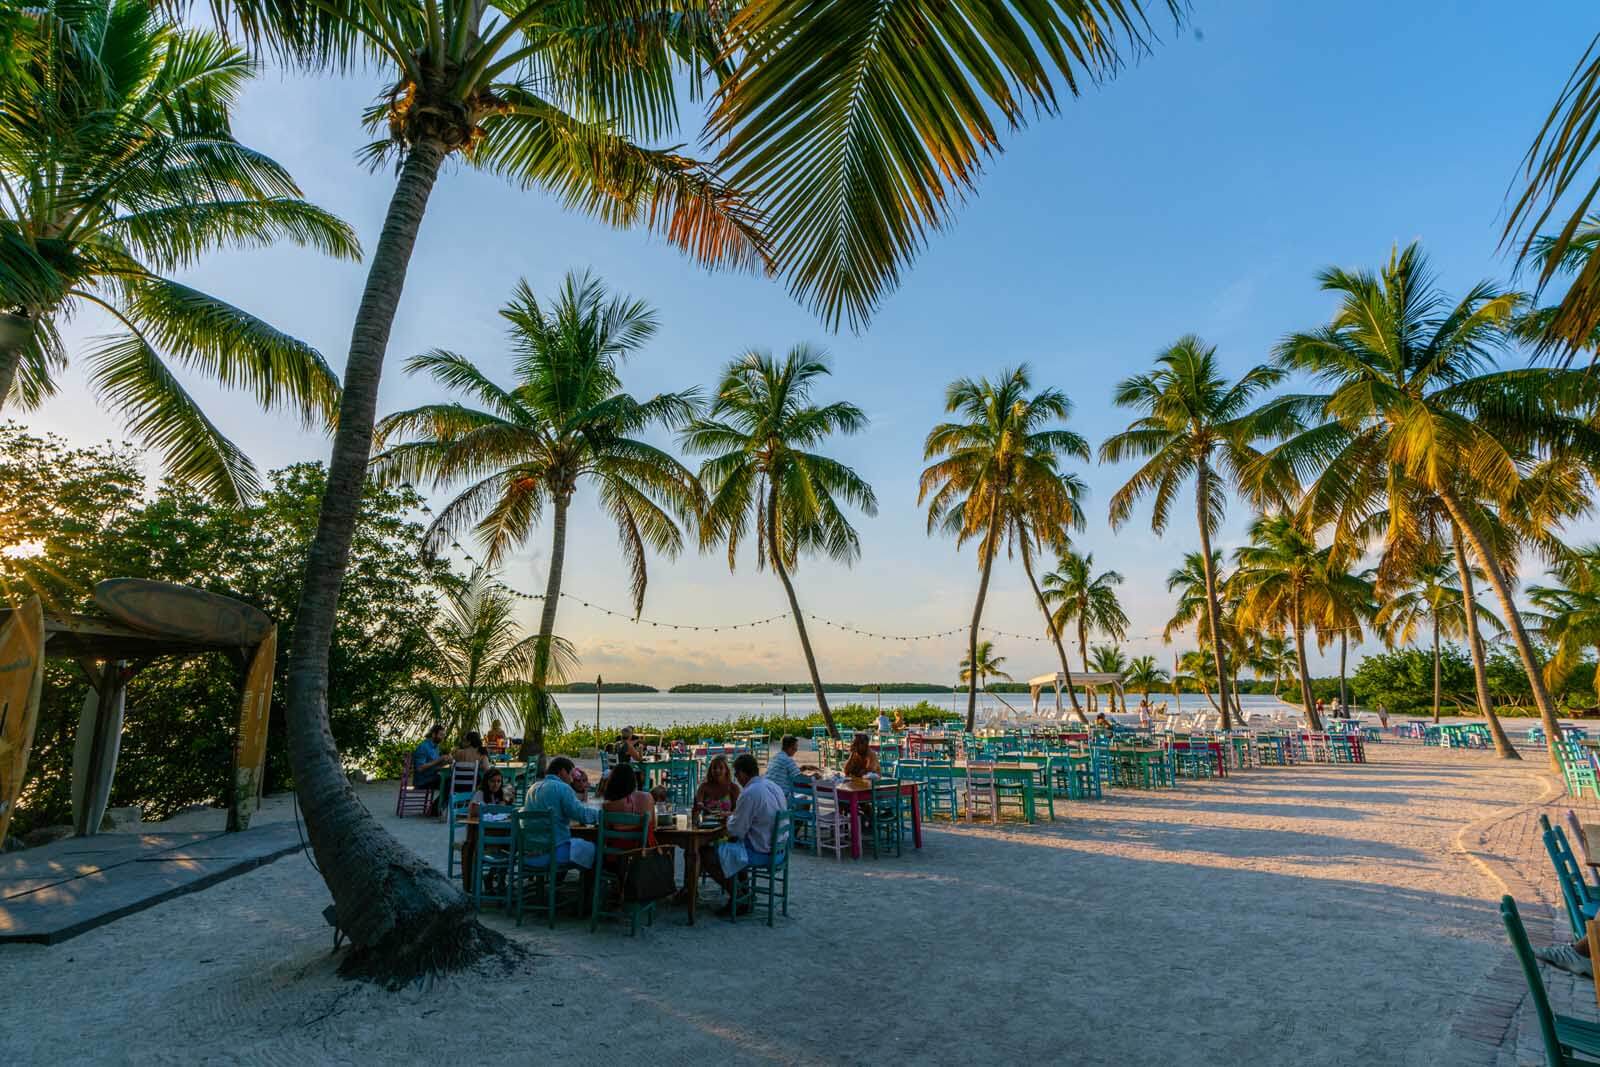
(664,709)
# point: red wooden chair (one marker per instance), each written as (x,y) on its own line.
(411,800)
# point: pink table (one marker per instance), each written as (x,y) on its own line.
(854,790)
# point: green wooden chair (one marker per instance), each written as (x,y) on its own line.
(619,833)
(497,838)
(887,816)
(1568,1042)
(771,879)
(536,877)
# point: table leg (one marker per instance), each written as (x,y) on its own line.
(691,879)
(916,818)
(855,826)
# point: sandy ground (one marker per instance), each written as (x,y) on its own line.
(1304,915)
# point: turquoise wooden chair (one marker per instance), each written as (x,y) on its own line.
(1577,769)
(497,839)
(536,877)
(619,833)
(803,813)
(1568,1042)
(771,879)
(941,795)
(455,808)
(683,778)
(887,814)
(1581,899)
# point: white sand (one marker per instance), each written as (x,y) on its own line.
(1304,915)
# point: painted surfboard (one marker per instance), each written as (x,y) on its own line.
(95,750)
(21,676)
(180,611)
(250,754)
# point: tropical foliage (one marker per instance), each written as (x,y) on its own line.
(1085,600)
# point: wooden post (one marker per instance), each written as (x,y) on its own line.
(1592,927)
(598,682)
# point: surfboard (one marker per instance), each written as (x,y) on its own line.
(95,750)
(21,676)
(255,709)
(180,611)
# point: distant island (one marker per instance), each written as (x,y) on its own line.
(610,687)
(805,687)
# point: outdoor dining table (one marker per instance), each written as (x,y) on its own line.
(1139,759)
(852,791)
(1215,747)
(1023,774)
(688,839)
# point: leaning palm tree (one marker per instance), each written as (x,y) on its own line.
(564,96)
(1085,599)
(119,167)
(1143,675)
(1432,594)
(998,466)
(565,423)
(1038,524)
(1413,407)
(1272,656)
(761,473)
(1196,424)
(988,666)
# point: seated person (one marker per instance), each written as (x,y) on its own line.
(629,750)
(553,793)
(884,725)
(493,789)
(783,769)
(1101,722)
(471,751)
(863,761)
(622,793)
(427,760)
(718,793)
(496,740)
(899,722)
(749,841)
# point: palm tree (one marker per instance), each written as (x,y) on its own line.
(998,467)
(760,472)
(1025,536)
(1199,667)
(480,657)
(1143,674)
(1109,659)
(1273,657)
(1195,424)
(1569,612)
(989,666)
(1350,604)
(559,96)
(565,423)
(1086,599)
(1432,593)
(1411,409)
(118,167)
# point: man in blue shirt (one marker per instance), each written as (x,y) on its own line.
(426,760)
(783,769)
(553,793)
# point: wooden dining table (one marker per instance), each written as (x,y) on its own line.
(689,840)
(852,791)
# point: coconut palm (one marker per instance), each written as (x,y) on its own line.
(989,666)
(565,423)
(1109,659)
(1569,612)
(1028,541)
(1085,599)
(1198,425)
(761,474)
(1199,668)
(1348,607)
(1143,674)
(1284,579)
(998,465)
(1272,656)
(1432,594)
(118,167)
(481,657)
(1412,408)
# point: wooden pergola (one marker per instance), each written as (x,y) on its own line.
(144,622)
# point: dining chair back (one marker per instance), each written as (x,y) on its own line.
(411,799)
(497,834)
(981,790)
(619,834)
(769,880)
(832,823)
(1565,1038)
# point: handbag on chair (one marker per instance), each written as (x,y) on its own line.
(648,874)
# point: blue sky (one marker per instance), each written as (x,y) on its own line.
(1199,191)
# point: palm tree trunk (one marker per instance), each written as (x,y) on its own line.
(533,729)
(1480,673)
(1213,608)
(1438,683)
(1344,654)
(402,915)
(1083,642)
(1055,634)
(10,359)
(987,548)
(1519,633)
(1305,668)
(776,551)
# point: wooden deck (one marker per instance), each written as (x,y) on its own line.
(58,891)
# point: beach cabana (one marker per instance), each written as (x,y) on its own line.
(1087,679)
